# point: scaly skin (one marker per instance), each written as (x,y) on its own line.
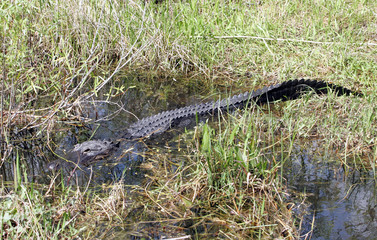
(85,153)
(282,91)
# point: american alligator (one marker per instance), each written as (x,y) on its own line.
(86,152)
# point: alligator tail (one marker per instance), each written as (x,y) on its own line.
(294,89)
(288,90)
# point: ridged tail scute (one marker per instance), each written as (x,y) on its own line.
(288,90)
(294,89)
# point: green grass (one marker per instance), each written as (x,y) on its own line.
(28,213)
(235,171)
(67,51)
(56,53)
(48,43)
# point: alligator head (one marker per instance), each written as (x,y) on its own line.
(85,154)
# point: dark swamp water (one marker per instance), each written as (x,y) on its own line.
(340,204)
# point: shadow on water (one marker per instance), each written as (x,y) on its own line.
(342,203)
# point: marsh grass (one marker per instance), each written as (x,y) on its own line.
(56,54)
(26,212)
(68,51)
(233,178)
(341,124)
(230,183)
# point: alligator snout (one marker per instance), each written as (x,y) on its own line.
(84,154)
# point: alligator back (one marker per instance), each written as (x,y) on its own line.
(288,90)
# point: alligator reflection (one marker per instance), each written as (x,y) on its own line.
(344,205)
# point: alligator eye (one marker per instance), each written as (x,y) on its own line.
(87,150)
